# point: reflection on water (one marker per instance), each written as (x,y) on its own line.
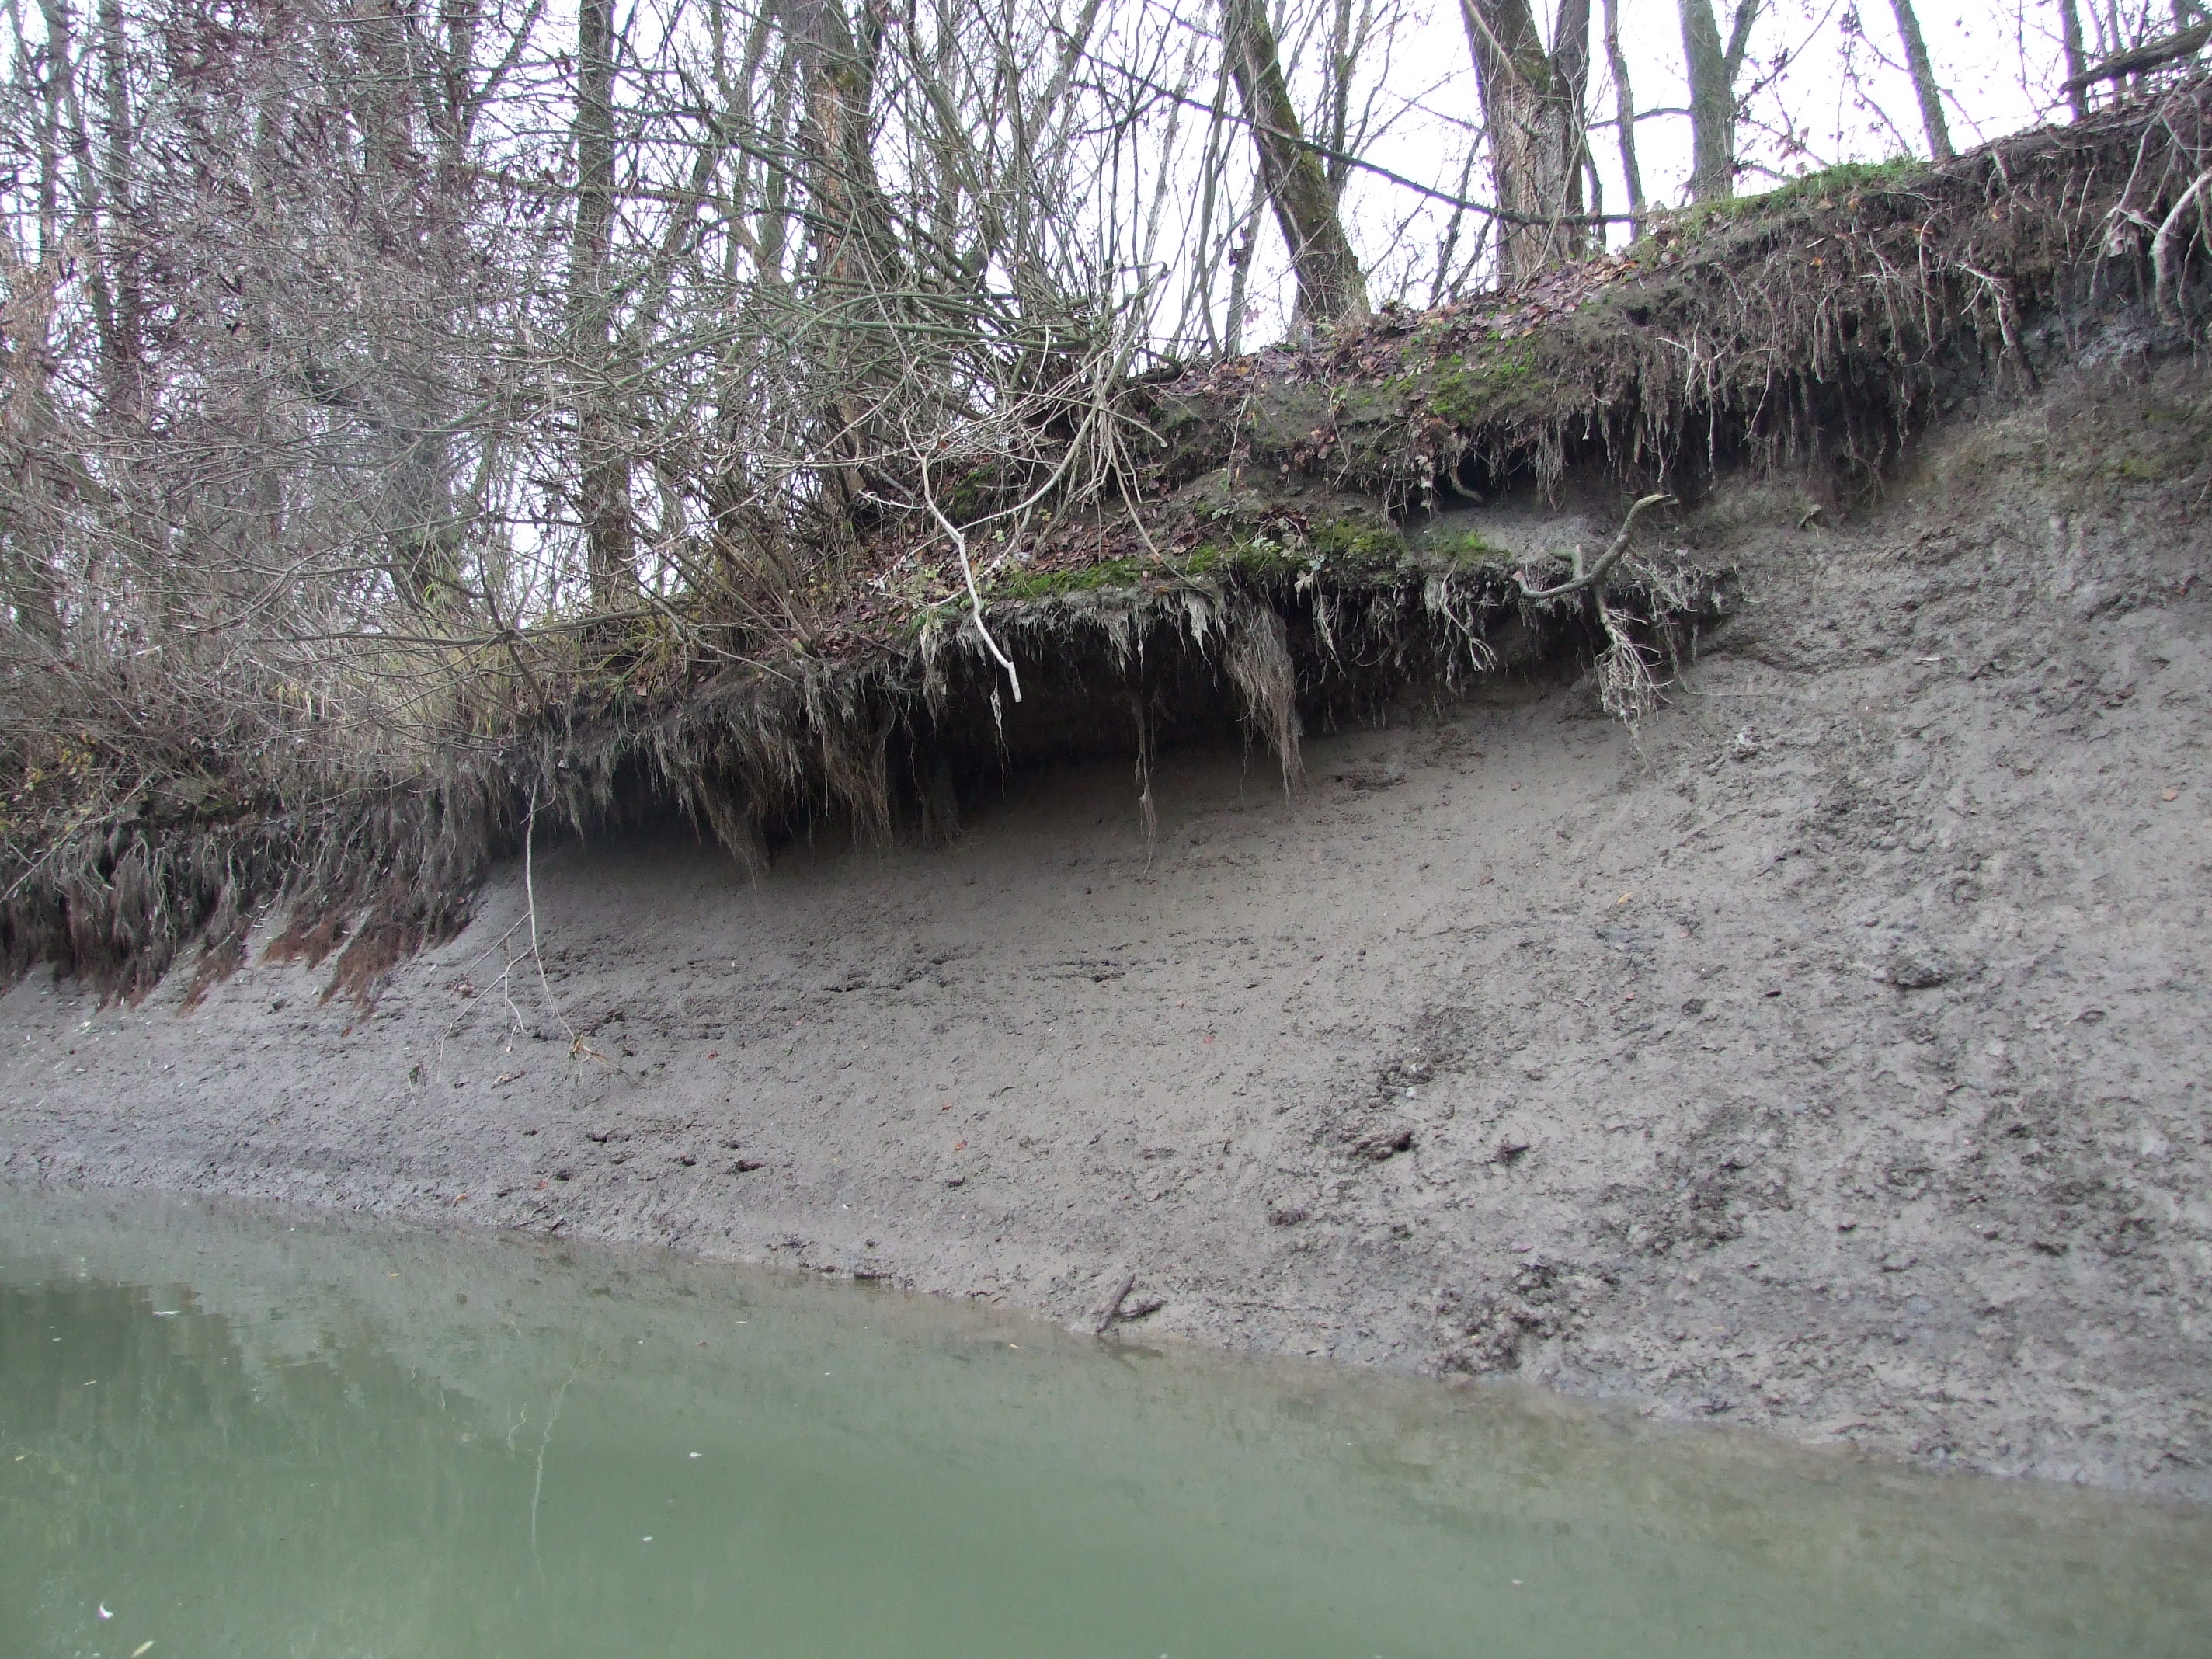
(242,1438)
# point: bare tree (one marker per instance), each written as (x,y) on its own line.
(601,463)
(30,297)
(1624,116)
(1715,67)
(375,374)
(1533,117)
(28,532)
(1331,286)
(2069,35)
(1925,87)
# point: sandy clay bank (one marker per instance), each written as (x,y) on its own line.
(1825,1054)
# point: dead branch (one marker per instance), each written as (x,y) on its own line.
(2147,55)
(1596,575)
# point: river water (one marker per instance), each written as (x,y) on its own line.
(232,1436)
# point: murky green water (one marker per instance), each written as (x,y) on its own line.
(241,1438)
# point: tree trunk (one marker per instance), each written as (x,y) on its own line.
(853,255)
(1624,116)
(1713,68)
(1344,43)
(1532,102)
(1240,278)
(2069,35)
(602,462)
(839,77)
(1923,81)
(29,526)
(122,346)
(1331,287)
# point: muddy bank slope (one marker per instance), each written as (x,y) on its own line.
(1826,1056)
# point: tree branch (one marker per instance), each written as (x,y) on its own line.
(1596,573)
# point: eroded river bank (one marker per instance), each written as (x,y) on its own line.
(1823,1056)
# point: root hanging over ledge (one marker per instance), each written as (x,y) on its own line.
(883,743)
(1285,557)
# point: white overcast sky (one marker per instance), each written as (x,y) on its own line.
(1842,94)
(1998,62)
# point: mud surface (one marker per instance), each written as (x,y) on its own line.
(1824,1057)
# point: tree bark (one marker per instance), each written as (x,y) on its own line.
(1345,39)
(839,76)
(1624,116)
(1331,287)
(122,342)
(1923,81)
(602,462)
(2069,36)
(1240,278)
(28,526)
(1714,66)
(853,256)
(1532,102)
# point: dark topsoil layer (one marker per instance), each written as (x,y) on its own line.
(1826,1054)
